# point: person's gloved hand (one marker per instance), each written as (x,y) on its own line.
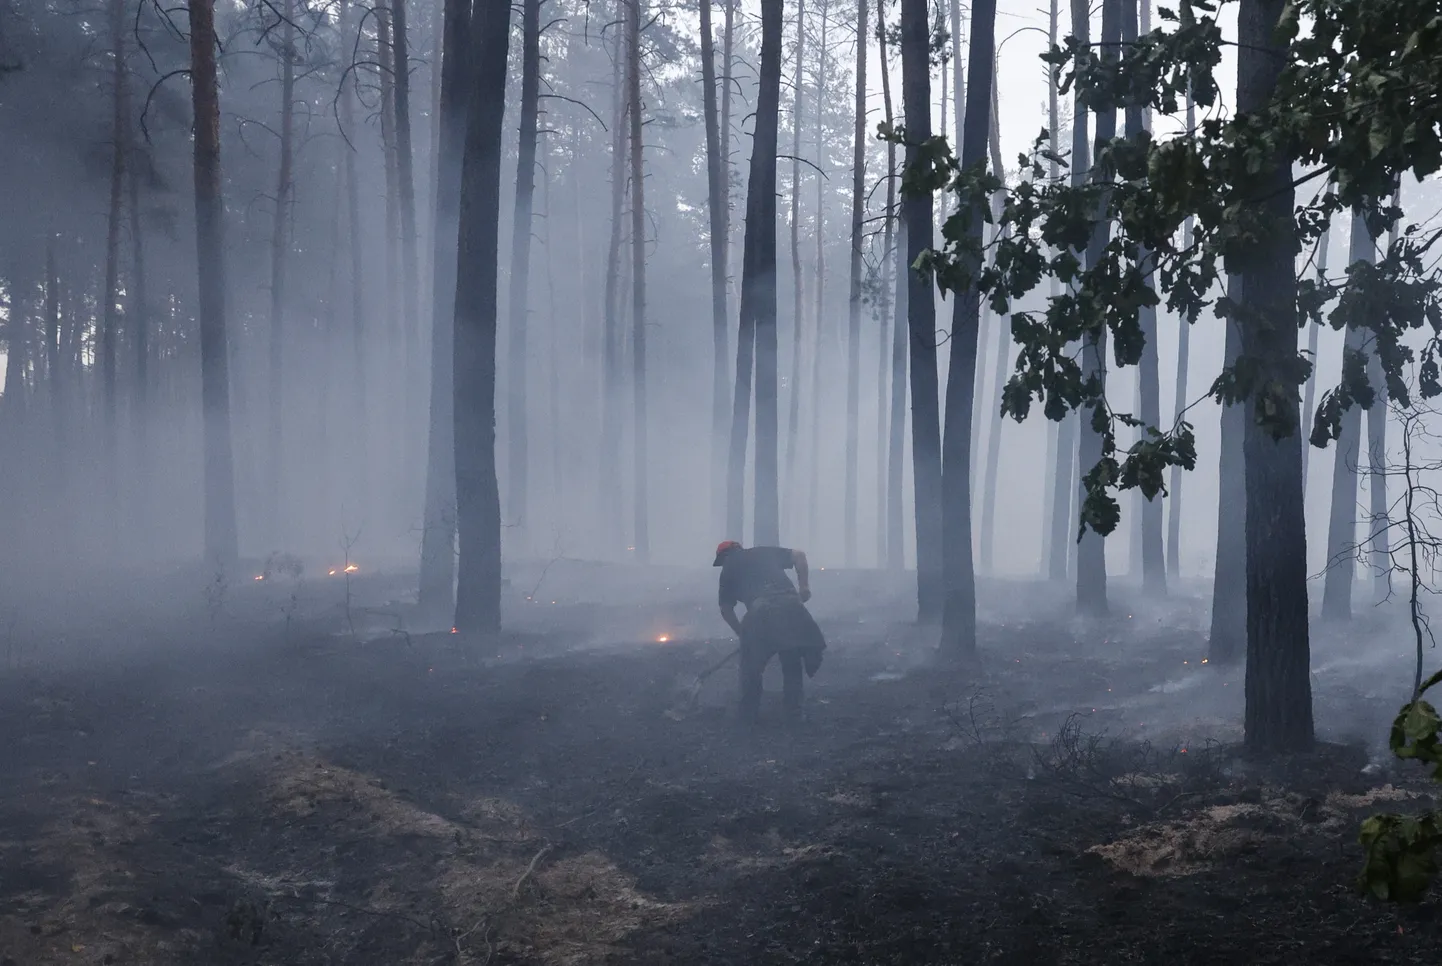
(811,660)
(805,594)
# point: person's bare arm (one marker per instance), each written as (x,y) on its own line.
(803,575)
(728,614)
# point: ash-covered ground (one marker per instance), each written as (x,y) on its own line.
(288,771)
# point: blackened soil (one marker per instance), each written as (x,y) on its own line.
(246,793)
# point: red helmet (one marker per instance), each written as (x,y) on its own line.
(722,549)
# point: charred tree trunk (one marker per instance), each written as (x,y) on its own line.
(1342,520)
(478,499)
(279,256)
(798,287)
(438,536)
(716,211)
(959,622)
(220,537)
(921,321)
(883,312)
(386,57)
(520,291)
(758,274)
(137,310)
(853,332)
(728,46)
(1092,551)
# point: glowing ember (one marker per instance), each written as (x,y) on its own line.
(260,576)
(663,639)
(351,568)
(1204,660)
(332,572)
(454,631)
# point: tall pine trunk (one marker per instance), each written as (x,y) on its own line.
(1048,535)
(991,406)
(360,465)
(1228,635)
(1342,518)
(110,322)
(610,488)
(221,548)
(1179,403)
(1313,331)
(853,332)
(798,280)
(895,525)
(1091,552)
(1065,489)
(1379,526)
(409,244)
(520,287)
(279,257)
(921,321)
(959,621)
(758,273)
(1279,687)
(438,535)
(478,498)
(386,57)
(137,311)
(641,535)
(818,333)
(883,303)
(716,212)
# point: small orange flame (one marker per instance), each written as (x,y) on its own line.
(454,631)
(351,568)
(260,576)
(663,639)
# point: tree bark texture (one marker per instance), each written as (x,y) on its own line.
(853,331)
(798,286)
(641,538)
(716,212)
(520,282)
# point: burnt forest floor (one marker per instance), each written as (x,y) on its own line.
(267,776)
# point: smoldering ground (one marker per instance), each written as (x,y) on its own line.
(271,780)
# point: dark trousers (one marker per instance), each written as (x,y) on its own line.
(755,655)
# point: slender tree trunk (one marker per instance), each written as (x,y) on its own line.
(110,333)
(1279,686)
(1313,329)
(1065,484)
(853,336)
(716,211)
(1179,405)
(991,410)
(438,536)
(642,538)
(409,244)
(360,465)
(959,622)
(520,290)
(55,375)
(818,335)
(798,287)
(276,516)
(1228,635)
(1054,441)
(728,45)
(610,489)
(137,310)
(386,56)
(1149,526)
(758,275)
(958,74)
(1091,552)
(921,322)
(220,536)
(1379,524)
(1342,519)
(478,499)
(883,306)
(896,411)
